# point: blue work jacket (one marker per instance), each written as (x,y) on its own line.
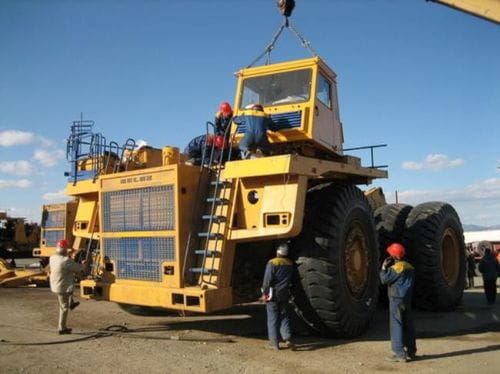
(278,276)
(400,279)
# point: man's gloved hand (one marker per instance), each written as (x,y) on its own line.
(387,262)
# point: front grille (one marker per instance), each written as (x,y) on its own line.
(281,121)
(140,209)
(54,218)
(139,258)
(52,237)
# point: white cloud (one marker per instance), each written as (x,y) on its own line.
(53,196)
(31,214)
(48,158)
(9,138)
(478,203)
(16,167)
(433,161)
(14,183)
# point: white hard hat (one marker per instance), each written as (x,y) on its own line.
(282,249)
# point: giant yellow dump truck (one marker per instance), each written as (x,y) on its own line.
(168,234)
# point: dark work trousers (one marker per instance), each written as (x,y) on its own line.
(471,281)
(490,290)
(278,321)
(402,329)
(254,138)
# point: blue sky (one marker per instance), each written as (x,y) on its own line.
(418,76)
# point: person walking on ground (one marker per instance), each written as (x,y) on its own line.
(489,267)
(399,276)
(276,294)
(471,269)
(62,273)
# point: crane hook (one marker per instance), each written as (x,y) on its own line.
(285,7)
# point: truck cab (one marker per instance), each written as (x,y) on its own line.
(300,97)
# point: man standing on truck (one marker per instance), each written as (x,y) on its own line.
(489,267)
(222,122)
(276,294)
(62,273)
(256,123)
(399,276)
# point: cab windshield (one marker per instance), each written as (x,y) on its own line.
(277,89)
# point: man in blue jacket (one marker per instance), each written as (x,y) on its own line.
(256,123)
(222,123)
(399,276)
(276,294)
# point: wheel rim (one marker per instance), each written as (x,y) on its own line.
(357,260)
(450,256)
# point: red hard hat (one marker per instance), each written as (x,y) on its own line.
(219,142)
(225,108)
(396,250)
(63,243)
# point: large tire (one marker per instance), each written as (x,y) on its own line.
(337,259)
(390,225)
(435,242)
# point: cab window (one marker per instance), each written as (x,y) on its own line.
(277,89)
(324,93)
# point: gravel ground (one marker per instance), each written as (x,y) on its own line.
(464,341)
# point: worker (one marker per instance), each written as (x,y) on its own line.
(489,267)
(201,143)
(399,276)
(196,147)
(62,273)
(276,294)
(256,123)
(223,119)
(471,269)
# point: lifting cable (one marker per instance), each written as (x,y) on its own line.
(113,330)
(267,51)
(285,7)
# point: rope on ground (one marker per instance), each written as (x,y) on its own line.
(55,342)
(112,330)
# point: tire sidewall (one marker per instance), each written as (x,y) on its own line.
(337,255)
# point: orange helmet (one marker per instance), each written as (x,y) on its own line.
(63,243)
(220,142)
(396,250)
(225,108)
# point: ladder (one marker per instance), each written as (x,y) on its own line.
(209,236)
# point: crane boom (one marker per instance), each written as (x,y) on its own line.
(486,9)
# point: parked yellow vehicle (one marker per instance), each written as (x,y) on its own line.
(164,233)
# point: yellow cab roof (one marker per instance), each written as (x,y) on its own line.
(287,65)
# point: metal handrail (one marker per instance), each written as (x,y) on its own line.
(371,148)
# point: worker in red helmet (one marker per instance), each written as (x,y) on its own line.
(62,273)
(399,276)
(220,139)
(223,118)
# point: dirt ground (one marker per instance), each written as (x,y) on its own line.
(464,341)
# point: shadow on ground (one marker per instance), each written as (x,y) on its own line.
(249,320)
